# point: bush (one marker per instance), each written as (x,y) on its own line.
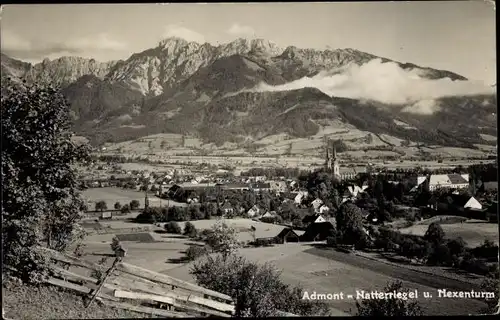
(331,241)
(257,289)
(434,234)
(118,206)
(190,230)
(194,252)
(173,227)
(125,209)
(134,204)
(389,307)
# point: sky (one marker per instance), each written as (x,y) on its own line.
(453,35)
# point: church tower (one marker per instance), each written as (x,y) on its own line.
(146,200)
(328,160)
(336,166)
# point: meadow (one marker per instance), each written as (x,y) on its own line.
(474,232)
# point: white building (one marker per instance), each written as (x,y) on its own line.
(448,181)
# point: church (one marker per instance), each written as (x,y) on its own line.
(332,164)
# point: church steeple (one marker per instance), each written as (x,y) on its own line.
(146,200)
(336,166)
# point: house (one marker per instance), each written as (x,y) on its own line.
(253,211)
(473,204)
(236,186)
(324,209)
(313,218)
(227,208)
(448,181)
(316,204)
(287,235)
(346,196)
(270,214)
(278,186)
(259,186)
(318,231)
(300,197)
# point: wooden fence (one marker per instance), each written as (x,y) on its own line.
(130,287)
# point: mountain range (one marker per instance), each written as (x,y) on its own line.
(247,90)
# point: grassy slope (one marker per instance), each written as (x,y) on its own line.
(46,302)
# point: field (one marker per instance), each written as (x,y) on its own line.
(300,263)
(168,250)
(165,146)
(474,232)
(112,195)
(324,275)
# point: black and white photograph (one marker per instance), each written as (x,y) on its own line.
(266,159)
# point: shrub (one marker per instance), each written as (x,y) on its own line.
(194,252)
(435,233)
(125,209)
(190,230)
(389,307)
(331,241)
(134,204)
(173,227)
(257,289)
(118,206)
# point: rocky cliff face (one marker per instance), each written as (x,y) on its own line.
(62,71)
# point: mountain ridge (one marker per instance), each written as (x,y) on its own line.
(215,93)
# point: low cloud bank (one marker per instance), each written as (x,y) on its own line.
(387,83)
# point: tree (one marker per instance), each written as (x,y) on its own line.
(389,307)
(134,204)
(173,227)
(115,244)
(118,206)
(257,289)
(349,223)
(41,203)
(101,205)
(125,208)
(223,238)
(190,230)
(435,233)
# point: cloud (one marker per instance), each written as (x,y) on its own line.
(426,107)
(11,41)
(239,30)
(19,47)
(386,83)
(101,41)
(177,31)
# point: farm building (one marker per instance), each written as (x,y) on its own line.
(259,186)
(318,231)
(278,186)
(324,209)
(253,211)
(314,218)
(227,208)
(473,204)
(448,181)
(300,197)
(316,204)
(288,235)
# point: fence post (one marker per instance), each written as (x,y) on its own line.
(118,259)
